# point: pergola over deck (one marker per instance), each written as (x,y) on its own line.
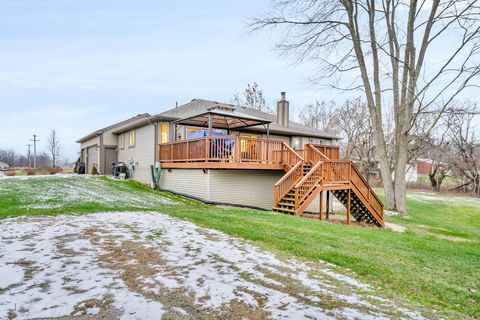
(224,152)
(226,118)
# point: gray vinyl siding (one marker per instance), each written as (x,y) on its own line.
(237,187)
(90,142)
(244,187)
(240,187)
(192,182)
(143,153)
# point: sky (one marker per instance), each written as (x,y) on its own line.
(78,66)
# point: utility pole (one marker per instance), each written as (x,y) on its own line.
(28,156)
(34,150)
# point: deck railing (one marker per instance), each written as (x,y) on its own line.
(331,152)
(337,171)
(228,149)
(361,184)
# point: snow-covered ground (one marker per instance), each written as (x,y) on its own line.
(134,265)
(57,191)
(450,199)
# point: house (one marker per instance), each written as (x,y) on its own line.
(234,155)
(421,167)
(4,166)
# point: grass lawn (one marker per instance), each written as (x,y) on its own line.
(435,263)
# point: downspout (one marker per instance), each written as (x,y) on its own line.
(153,167)
(155,139)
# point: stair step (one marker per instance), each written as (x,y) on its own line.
(340,189)
(283,210)
(286,204)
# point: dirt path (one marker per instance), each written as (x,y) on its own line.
(134,265)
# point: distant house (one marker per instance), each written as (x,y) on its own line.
(4,166)
(421,166)
(234,155)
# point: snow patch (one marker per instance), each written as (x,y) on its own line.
(71,260)
(11,274)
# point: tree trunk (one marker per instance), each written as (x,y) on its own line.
(439,180)
(433,181)
(385,173)
(400,184)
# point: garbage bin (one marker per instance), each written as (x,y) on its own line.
(81,168)
(114,168)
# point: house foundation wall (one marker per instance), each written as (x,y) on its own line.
(252,188)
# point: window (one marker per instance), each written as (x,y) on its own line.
(296,143)
(131,139)
(248,145)
(164,133)
(192,130)
(122,141)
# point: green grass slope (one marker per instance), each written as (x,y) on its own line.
(434,264)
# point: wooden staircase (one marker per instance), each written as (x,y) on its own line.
(306,177)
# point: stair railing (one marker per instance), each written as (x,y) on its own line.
(289,156)
(314,155)
(311,180)
(294,162)
(366,191)
(285,184)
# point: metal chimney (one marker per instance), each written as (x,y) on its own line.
(283,111)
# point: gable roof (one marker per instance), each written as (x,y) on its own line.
(130,121)
(202,106)
(198,106)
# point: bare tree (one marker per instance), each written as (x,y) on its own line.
(43,160)
(349,122)
(439,154)
(465,151)
(54,147)
(252,98)
(394,52)
(321,115)
(8,156)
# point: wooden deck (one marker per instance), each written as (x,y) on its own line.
(308,172)
(227,152)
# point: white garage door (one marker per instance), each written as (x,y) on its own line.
(92,158)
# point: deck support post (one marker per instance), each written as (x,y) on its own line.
(328,205)
(210,125)
(348,206)
(321,205)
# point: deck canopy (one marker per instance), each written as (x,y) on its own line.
(220,117)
